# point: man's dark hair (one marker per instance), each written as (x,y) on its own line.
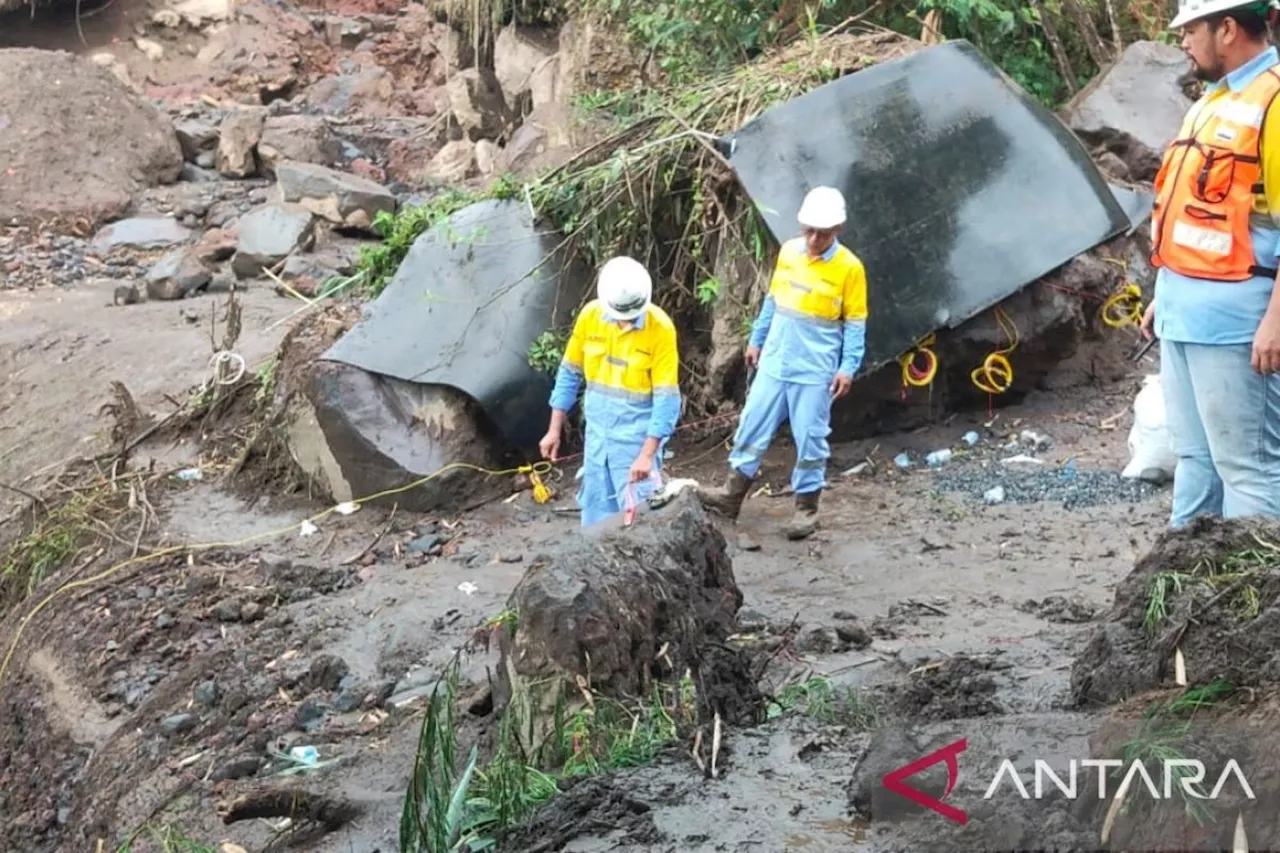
(1254,21)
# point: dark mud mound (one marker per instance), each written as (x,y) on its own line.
(1226,737)
(623,608)
(598,806)
(949,689)
(977,818)
(1211,592)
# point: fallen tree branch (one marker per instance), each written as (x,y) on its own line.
(292,803)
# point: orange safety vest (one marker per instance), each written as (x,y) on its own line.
(1206,186)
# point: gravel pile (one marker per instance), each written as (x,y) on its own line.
(32,260)
(1074,489)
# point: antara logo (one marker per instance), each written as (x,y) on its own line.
(1180,777)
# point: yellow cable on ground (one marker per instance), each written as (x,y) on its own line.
(1123,308)
(534,471)
(995,374)
(913,376)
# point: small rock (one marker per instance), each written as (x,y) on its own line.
(298,138)
(165,621)
(193,174)
(241,767)
(477,102)
(345,200)
(177,275)
(227,610)
(816,639)
(746,543)
(311,715)
(854,635)
(269,234)
(178,724)
(844,616)
(510,558)
(144,232)
(327,672)
(216,245)
(453,163)
(208,693)
(487,155)
(224,282)
(250,611)
(150,49)
(237,143)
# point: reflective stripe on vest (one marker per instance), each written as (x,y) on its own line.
(1206,186)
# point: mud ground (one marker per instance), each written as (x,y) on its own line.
(181,678)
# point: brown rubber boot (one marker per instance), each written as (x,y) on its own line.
(727,499)
(805,521)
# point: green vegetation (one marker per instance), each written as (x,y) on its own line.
(56,536)
(170,838)
(1235,577)
(817,697)
(1162,737)
(464,806)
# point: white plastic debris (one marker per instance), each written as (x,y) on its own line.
(970,438)
(938,458)
(857,469)
(309,529)
(994,495)
(902,460)
(1021,459)
(346,508)
(190,474)
(1151,454)
(468,587)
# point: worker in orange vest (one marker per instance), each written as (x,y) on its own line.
(1216,244)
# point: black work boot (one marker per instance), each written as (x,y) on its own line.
(805,521)
(727,499)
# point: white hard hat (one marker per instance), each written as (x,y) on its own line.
(1194,10)
(823,208)
(624,287)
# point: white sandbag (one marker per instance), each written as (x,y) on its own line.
(1151,454)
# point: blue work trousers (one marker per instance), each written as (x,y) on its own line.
(606,468)
(770,402)
(1224,425)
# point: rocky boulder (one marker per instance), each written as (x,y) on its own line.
(141,232)
(268,234)
(477,104)
(345,200)
(1140,95)
(527,67)
(351,433)
(238,143)
(75,143)
(178,275)
(300,138)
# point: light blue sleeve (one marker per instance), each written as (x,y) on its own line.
(855,346)
(760,329)
(664,415)
(565,393)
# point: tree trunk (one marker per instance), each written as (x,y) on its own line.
(617,612)
(1092,41)
(1055,44)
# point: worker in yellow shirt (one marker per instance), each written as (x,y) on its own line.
(1216,243)
(808,342)
(623,348)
